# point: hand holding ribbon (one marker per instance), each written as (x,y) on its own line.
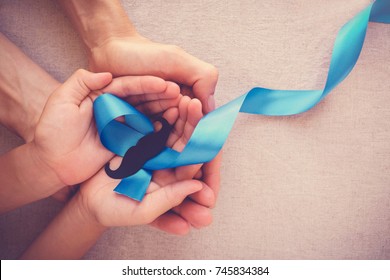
(65,136)
(167,189)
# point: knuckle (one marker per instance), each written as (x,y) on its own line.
(171,198)
(80,72)
(81,84)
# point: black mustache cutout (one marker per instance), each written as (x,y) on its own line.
(146,148)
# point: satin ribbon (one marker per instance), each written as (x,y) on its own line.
(213,129)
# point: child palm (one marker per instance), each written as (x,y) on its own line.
(167,189)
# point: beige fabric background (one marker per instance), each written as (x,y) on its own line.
(313,186)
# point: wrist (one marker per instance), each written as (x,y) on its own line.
(81,213)
(48,180)
(24,89)
(102,57)
(24,178)
(98,20)
(35,102)
(103,27)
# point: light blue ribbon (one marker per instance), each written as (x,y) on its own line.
(213,129)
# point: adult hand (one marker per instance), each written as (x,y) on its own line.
(136,55)
(66,139)
(113,45)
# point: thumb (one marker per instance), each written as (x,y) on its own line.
(160,201)
(199,75)
(81,83)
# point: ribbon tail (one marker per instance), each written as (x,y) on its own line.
(135,186)
(380,11)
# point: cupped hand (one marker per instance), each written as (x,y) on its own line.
(194,211)
(136,55)
(168,188)
(66,138)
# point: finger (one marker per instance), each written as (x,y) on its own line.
(211,178)
(157,106)
(204,90)
(80,85)
(171,223)
(212,175)
(197,215)
(135,85)
(199,174)
(190,112)
(171,115)
(194,114)
(178,129)
(205,197)
(187,172)
(171,91)
(156,203)
(191,71)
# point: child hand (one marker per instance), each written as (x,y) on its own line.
(168,187)
(195,210)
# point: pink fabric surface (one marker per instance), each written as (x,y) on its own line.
(312,186)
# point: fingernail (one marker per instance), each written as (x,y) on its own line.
(211,103)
